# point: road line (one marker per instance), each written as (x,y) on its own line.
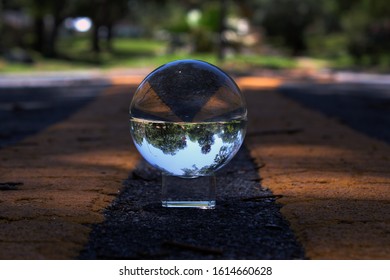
(334,181)
(70,174)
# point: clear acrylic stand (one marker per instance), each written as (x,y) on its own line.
(198,192)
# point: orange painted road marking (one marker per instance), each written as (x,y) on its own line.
(259,83)
(70,172)
(334,181)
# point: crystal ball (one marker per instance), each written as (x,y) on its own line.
(188,118)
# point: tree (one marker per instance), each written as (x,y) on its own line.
(1,26)
(104,14)
(46,35)
(367,28)
(286,21)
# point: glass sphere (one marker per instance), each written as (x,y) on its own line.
(188,118)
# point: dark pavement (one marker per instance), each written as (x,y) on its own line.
(68,165)
(246,223)
(363,107)
(27,110)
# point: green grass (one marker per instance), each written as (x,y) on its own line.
(276,62)
(75,54)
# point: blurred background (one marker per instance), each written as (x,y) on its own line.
(278,34)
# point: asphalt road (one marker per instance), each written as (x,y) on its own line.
(363,107)
(247,223)
(155,234)
(26,111)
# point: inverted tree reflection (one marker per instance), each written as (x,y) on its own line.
(217,142)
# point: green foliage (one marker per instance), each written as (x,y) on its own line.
(230,132)
(286,21)
(169,138)
(366,27)
(172,137)
(339,29)
(347,31)
(176,22)
(210,17)
(330,46)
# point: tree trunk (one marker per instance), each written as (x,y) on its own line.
(51,50)
(109,37)
(297,42)
(221,39)
(39,38)
(2,47)
(58,17)
(95,38)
